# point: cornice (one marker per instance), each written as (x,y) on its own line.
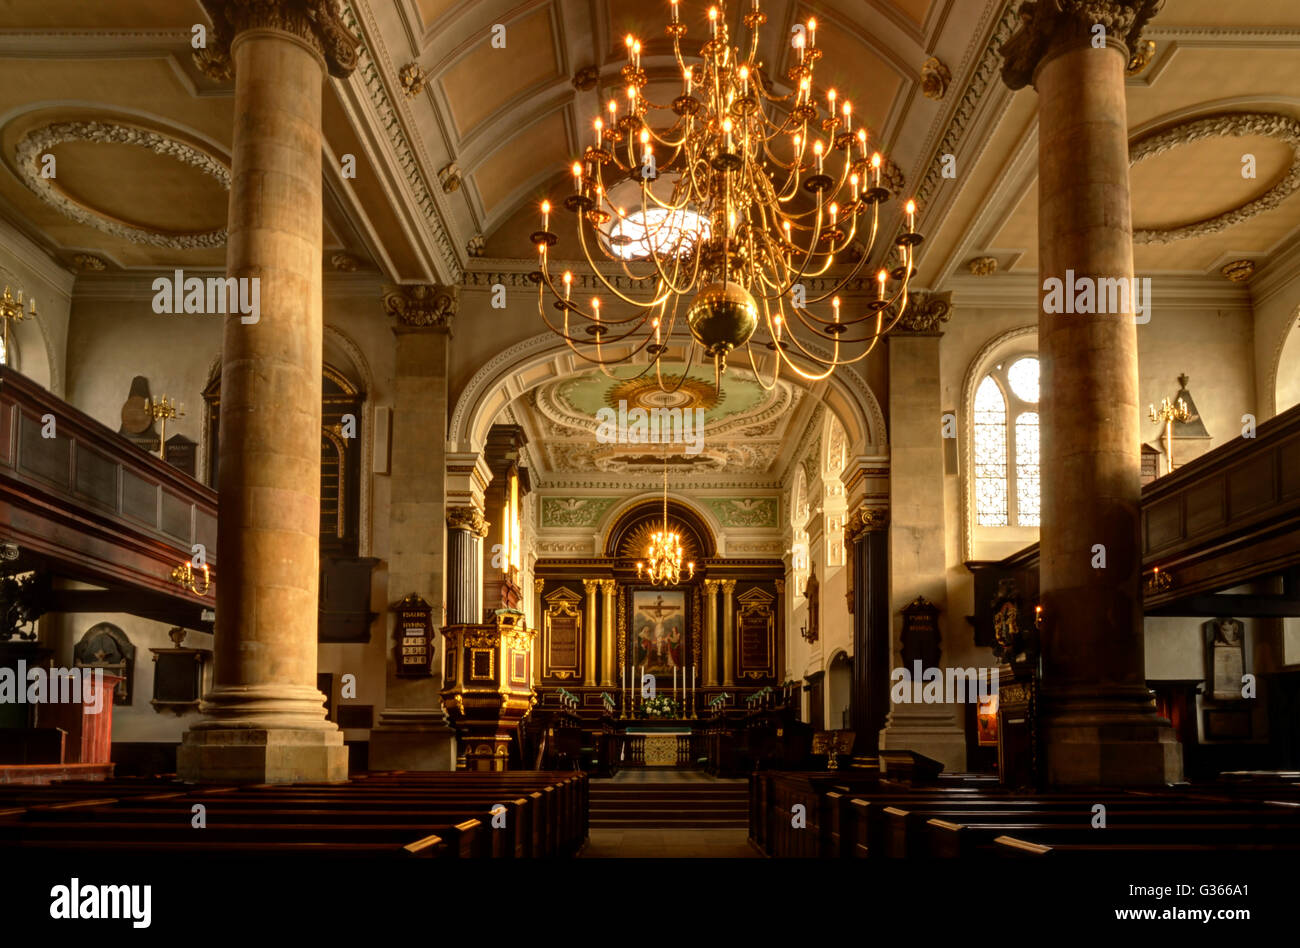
(1020,290)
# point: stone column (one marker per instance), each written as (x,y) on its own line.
(412,732)
(917,562)
(608,627)
(589,634)
(728,633)
(264,719)
(467,527)
(866,537)
(1098,721)
(711,632)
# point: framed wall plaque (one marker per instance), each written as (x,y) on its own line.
(414,635)
(756,633)
(562,629)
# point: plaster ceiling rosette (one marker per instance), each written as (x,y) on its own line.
(1169,173)
(139,184)
(743,423)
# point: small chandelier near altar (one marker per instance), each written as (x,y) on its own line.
(725,206)
(663,557)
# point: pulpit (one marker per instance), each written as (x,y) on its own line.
(89,723)
(488,685)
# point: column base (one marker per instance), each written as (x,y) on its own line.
(927,731)
(1108,740)
(262,755)
(414,739)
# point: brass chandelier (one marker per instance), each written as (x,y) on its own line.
(663,557)
(734,198)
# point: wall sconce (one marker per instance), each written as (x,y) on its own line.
(1158,582)
(805,635)
(185,577)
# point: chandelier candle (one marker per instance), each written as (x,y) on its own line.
(721,207)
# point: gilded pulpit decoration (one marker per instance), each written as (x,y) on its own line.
(316,22)
(756,630)
(469,519)
(1062,24)
(562,631)
(422,305)
(414,633)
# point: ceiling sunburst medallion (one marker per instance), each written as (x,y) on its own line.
(677,392)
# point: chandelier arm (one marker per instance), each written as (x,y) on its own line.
(574,308)
(609,286)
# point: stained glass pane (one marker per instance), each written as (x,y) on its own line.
(1023,379)
(1027,481)
(990,455)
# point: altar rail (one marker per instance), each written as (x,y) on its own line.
(89,505)
(686,750)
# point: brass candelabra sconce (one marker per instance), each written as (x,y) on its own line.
(1167,414)
(187,577)
(11,310)
(1158,582)
(162,409)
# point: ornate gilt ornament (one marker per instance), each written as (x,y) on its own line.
(1141,57)
(1047,25)
(317,22)
(422,304)
(344,262)
(586,78)
(412,78)
(982,266)
(925,312)
(468,519)
(1234,124)
(39,141)
(1239,271)
(474,246)
(89,262)
(449,178)
(935,78)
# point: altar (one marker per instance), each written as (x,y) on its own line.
(662,745)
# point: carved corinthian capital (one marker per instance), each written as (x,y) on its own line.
(925,312)
(1048,27)
(469,519)
(865,519)
(422,305)
(317,22)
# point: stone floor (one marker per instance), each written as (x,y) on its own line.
(668,844)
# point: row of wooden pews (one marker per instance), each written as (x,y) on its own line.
(519,814)
(859,814)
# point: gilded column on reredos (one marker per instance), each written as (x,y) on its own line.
(608,625)
(711,631)
(728,632)
(589,633)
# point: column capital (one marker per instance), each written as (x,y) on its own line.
(422,305)
(866,518)
(468,519)
(728,586)
(924,313)
(1048,27)
(591,585)
(609,585)
(318,23)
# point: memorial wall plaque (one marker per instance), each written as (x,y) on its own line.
(414,635)
(756,633)
(1227,664)
(562,627)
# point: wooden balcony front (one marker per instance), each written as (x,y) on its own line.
(83,503)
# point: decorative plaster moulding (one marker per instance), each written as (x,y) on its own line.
(1234,124)
(39,141)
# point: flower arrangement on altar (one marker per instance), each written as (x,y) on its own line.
(661,706)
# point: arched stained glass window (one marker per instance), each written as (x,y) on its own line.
(1007,483)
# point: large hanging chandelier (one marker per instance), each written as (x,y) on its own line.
(663,557)
(735,199)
